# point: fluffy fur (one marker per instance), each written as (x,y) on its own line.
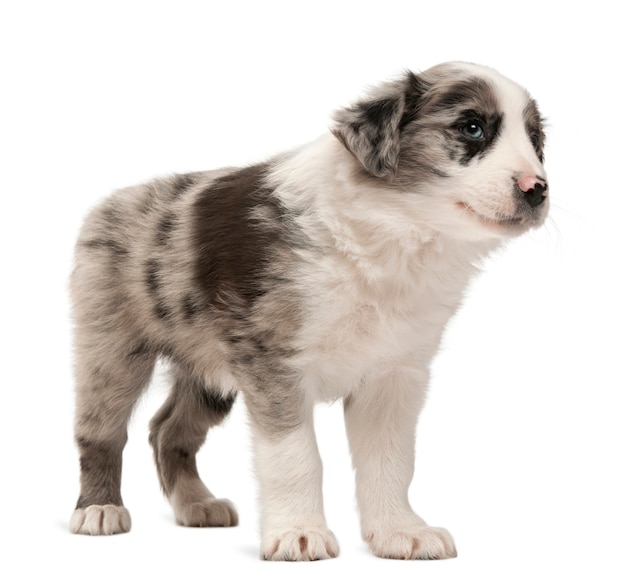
(328,272)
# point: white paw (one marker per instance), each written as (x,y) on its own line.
(98,520)
(414,543)
(299,544)
(209,512)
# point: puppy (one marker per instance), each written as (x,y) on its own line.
(326,273)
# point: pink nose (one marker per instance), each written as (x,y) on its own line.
(534,189)
(527,183)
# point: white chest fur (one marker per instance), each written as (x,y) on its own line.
(355,329)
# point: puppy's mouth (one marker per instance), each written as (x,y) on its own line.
(512,222)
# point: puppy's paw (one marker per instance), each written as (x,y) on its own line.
(299,544)
(415,543)
(98,520)
(209,512)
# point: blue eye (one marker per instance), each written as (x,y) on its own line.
(473,130)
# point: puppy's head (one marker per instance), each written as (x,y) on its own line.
(461,143)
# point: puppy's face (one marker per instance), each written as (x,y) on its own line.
(461,143)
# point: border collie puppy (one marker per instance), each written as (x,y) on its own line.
(328,272)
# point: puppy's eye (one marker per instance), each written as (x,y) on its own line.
(473,130)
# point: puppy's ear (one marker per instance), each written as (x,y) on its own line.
(370,129)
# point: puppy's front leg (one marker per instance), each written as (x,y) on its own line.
(380,422)
(289,469)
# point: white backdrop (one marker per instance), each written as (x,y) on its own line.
(521,446)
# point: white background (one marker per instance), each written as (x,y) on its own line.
(521,446)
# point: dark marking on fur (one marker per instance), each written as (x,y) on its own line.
(491,125)
(377,113)
(191,308)
(152,280)
(165,228)
(235,246)
(214,401)
(181,183)
(471,101)
(370,130)
(179,428)
(162,310)
(141,350)
(152,271)
(473,93)
(106,244)
(438,173)
(534,128)
(101,473)
(111,215)
(147,204)
(416,89)
(260,344)
(183,455)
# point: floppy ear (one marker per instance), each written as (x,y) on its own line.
(370,129)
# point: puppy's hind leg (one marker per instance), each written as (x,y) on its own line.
(108,385)
(177,432)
